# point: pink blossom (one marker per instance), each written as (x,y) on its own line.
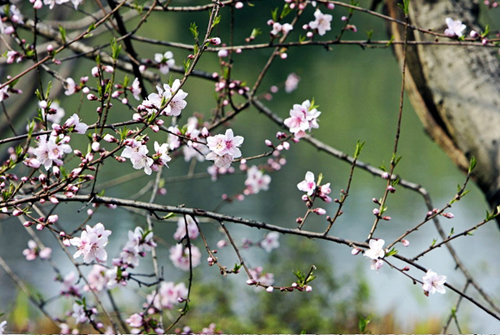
(79,313)
(167,296)
(256,180)
(32,252)
(180,256)
(137,153)
(162,153)
(135,321)
(54,114)
(376,250)
(278,27)
(136,89)
(74,122)
(291,83)
(97,279)
(192,229)
(224,148)
(215,41)
(432,282)
(270,241)
(70,86)
(177,103)
(321,22)
(166,61)
(50,152)
(302,117)
(308,185)
(258,276)
(455,28)
(69,288)
(91,243)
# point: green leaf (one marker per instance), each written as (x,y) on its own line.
(320,178)
(186,64)
(286,10)
(473,163)
(168,216)
(255,32)
(274,14)
(405,6)
(451,232)
(359,147)
(390,41)
(194,30)
(91,27)
(369,35)
(391,252)
(363,322)
(433,242)
(216,21)
(486,31)
(62,31)
(115,49)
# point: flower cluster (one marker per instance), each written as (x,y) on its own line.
(139,242)
(258,276)
(185,257)
(256,181)
(157,102)
(224,148)
(168,295)
(309,186)
(49,152)
(302,117)
(38,4)
(280,28)
(192,136)
(91,244)
(137,152)
(189,256)
(34,251)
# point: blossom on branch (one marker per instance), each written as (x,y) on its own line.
(376,253)
(137,153)
(192,228)
(432,283)
(321,22)
(270,241)
(50,152)
(91,244)
(166,297)
(308,185)
(181,259)
(455,28)
(224,148)
(283,28)
(165,61)
(256,181)
(302,117)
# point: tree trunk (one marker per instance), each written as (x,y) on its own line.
(455,90)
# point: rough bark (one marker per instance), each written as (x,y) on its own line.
(455,90)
